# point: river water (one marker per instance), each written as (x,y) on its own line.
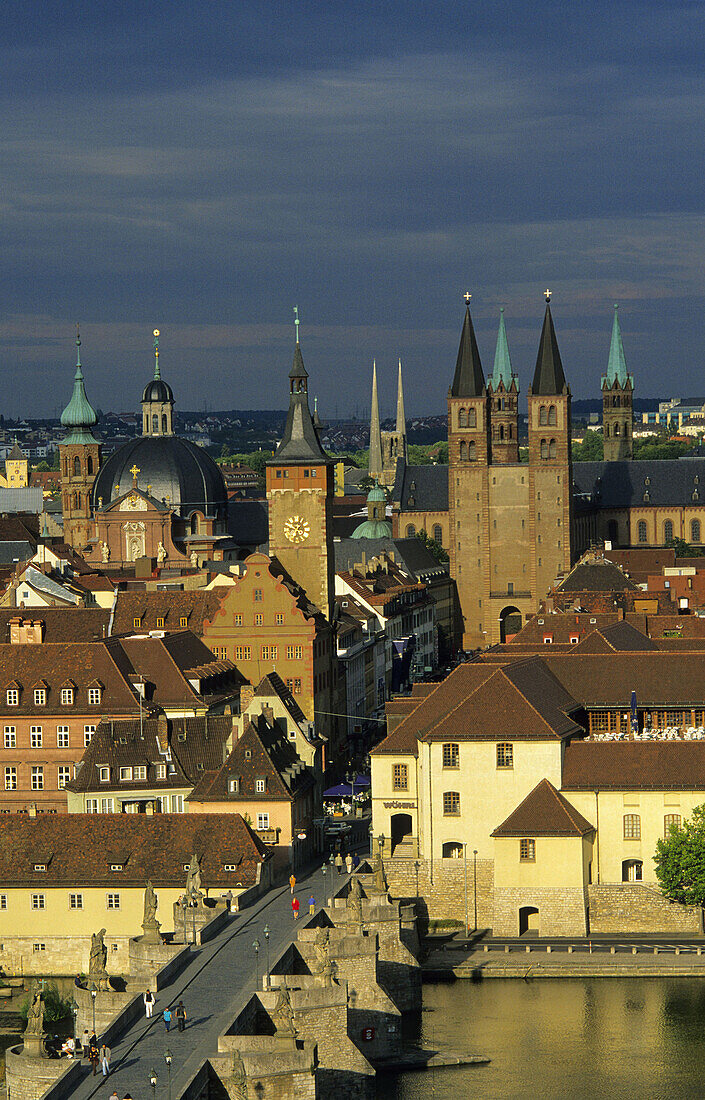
(579,1039)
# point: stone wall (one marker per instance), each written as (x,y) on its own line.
(398,971)
(59,955)
(633,907)
(272,1067)
(561,912)
(442,888)
(29,1078)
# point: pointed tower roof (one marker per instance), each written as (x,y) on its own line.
(300,443)
(401,415)
(548,376)
(79,415)
(616,364)
(468,381)
(502,371)
(375,461)
(16,452)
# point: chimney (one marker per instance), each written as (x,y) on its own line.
(163,730)
(268,713)
(149,809)
(32,809)
(247,692)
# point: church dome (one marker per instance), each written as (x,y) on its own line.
(373,529)
(170,469)
(158,390)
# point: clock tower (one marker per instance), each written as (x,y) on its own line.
(300,496)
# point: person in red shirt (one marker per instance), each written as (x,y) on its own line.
(295,907)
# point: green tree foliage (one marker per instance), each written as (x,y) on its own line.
(56,1007)
(432,546)
(680,861)
(683,549)
(645,449)
(256,460)
(591,449)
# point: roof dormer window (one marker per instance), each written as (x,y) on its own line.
(234,785)
(12,697)
(67,695)
(40,697)
(39,866)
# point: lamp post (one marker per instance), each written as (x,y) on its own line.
(94,994)
(74,1013)
(167,1059)
(474,881)
(265,930)
(323,872)
(194,906)
(416,869)
(153,1083)
(256,950)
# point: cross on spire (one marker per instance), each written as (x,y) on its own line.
(467,296)
(156,353)
(547,294)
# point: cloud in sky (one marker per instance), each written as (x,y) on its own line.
(205,175)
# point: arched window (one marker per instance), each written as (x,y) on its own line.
(626,429)
(452,849)
(410,531)
(695,530)
(510,432)
(641,530)
(668,531)
(616,429)
(75,500)
(552,449)
(66,467)
(632,870)
(76,466)
(472,418)
(543,415)
(89,464)
(501,432)
(146,424)
(438,534)
(163,423)
(552,415)
(155,424)
(472,452)
(463,451)
(463,418)
(195,523)
(544,448)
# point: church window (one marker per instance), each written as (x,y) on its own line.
(89,465)
(164,423)
(510,432)
(471,452)
(501,432)
(552,449)
(194,523)
(463,418)
(438,534)
(410,531)
(76,467)
(552,415)
(472,418)
(616,429)
(544,448)
(668,531)
(155,424)
(695,530)
(463,451)
(543,415)
(632,827)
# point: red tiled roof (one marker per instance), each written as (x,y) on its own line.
(544,812)
(634,765)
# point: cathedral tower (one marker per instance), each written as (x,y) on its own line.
(157,401)
(504,403)
(468,485)
(300,497)
(550,463)
(394,443)
(617,401)
(79,458)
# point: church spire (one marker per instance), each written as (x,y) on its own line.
(548,376)
(300,442)
(502,371)
(375,467)
(617,364)
(401,415)
(468,381)
(79,415)
(157,372)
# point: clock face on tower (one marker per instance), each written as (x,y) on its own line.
(297,529)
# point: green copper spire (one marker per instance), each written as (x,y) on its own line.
(616,364)
(79,415)
(502,371)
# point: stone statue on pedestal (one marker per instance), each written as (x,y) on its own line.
(97,973)
(193,880)
(283,1015)
(354,899)
(325,967)
(380,879)
(35,1013)
(237,1085)
(150,924)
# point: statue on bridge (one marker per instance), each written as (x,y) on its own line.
(35,1013)
(97,973)
(193,880)
(150,924)
(283,1015)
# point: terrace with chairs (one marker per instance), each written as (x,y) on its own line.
(653,725)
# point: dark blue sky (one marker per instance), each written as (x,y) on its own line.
(202,167)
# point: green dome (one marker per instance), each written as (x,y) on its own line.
(373,529)
(79,415)
(376,494)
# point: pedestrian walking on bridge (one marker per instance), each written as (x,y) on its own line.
(292,882)
(295,907)
(180,1014)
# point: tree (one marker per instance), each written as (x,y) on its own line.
(432,546)
(683,549)
(591,449)
(680,861)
